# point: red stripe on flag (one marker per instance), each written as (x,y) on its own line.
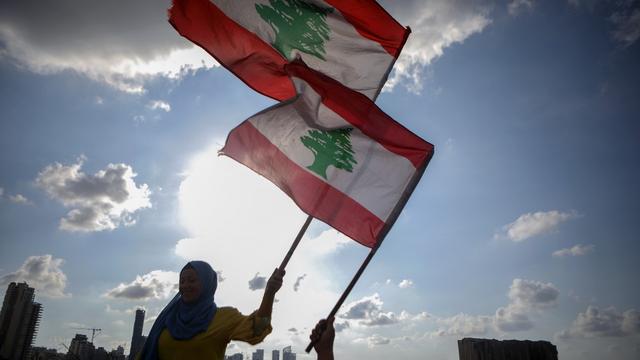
(255,62)
(363,113)
(315,197)
(373,22)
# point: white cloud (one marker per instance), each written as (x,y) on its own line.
(367,311)
(404,284)
(19,199)
(435,26)
(159,104)
(121,43)
(531,294)
(627,23)
(102,201)
(510,319)
(515,7)
(576,250)
(462,325)
(157,284)
(609,322)
(374,340)
(525,296)
(43,273)
(533,224)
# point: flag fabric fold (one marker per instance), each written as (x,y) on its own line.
(355,42)
(354,171)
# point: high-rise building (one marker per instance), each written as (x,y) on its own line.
(137,340)
(236,356)
(258,355)
(275,355)
(19,320)
(81,348)
(287,354)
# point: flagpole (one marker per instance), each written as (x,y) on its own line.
(285,261)
(383,233)
(346,292)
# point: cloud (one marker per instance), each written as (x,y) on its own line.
(462,325)
(377,340)
(577,250)
(531,294)
(525,296)
(19,199)
(159,104)
(120,43)
(1,192)
(598,323)
(102,201)
(340,326)
(157,284)
(627,23)
(296,285)
(435,26)
(510,319)
(404,284)
(533,224)
(515,7)
(43,273)
(368,312)
(257,282)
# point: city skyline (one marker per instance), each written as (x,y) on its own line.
(524,225)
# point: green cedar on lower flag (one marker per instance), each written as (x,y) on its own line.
(340,158)
(356,42)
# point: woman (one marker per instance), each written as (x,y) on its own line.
(191,326)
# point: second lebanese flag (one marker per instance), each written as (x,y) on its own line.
(355,42)
(356,177)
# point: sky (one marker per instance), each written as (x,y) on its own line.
(524,226)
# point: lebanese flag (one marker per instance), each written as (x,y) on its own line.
(355,176)
(355,42)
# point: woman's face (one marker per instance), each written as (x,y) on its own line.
(190,286)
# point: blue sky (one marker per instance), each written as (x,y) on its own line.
(524,225)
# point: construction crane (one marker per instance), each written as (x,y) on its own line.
(93,332)
(69,353)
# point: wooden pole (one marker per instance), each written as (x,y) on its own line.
(293,247)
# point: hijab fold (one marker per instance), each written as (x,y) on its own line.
(182,320)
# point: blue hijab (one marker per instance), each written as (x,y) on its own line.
(183,320)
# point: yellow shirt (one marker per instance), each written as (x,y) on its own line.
(227,324)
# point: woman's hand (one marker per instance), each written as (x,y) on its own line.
(275,282)
(273,285)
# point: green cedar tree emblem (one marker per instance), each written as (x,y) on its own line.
(330,148)
(298,25)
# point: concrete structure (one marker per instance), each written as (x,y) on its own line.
(480,349)
(275,355)
(19,320)
(137,340)
(81,348)
(287,354)
(258,355)
(236,356)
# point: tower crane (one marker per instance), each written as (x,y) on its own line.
(93,332)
